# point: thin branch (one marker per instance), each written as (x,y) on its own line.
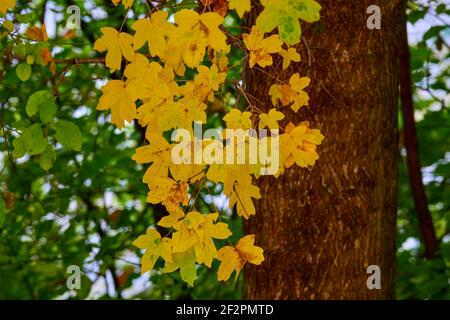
(413,158)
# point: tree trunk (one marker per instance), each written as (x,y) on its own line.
(322,227)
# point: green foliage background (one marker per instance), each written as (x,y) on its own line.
(90,205)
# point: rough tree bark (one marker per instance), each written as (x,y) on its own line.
(322,227)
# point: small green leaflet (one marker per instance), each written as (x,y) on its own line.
(44,102)
(69,135)
(185,261)
(23,71)
(47,158)
(285,15)
(31,141)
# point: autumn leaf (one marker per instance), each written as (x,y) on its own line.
(46,56)
(194,33)
(241,6)
(153,31)
(117,97)
(235,119)
(171,194)
(289,55)
(291,93)
(182,114)
(298,145)
(208,80)
(260,48)
(36,33)
(7,4)
(154,247)
(234,258)
(198,231)
(126,3)
(142,76)
(117,44)
(158,152)
(271,119)
(218,6)
(243,192)
(185,261)
(285,15)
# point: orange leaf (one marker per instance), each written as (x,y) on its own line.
(218,6)
(36,33)
(46,56)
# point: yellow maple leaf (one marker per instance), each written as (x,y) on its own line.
(291,93)
(289,55)
(167,191)
(7,4)
(241,6)
(154,31)
(117,44)
(298,145)
(198,231)
(154,247)
(143,78)
(181,114)
(221,60)
(271,119)
(260,48)
(120,100)
(233,259)
(208,80)
(194,33)
(158,152)
(243,192)
(126,3)
(236,119)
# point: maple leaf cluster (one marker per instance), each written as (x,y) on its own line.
(194,47)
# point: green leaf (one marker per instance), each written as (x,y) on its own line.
(42,99)
(47,158)
(47,111)
(23,71)
(31,141)
(69,135)
(20,50)
(285,15)
(25,18)
(30,59)
(185,261)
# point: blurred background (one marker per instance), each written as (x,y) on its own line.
(90,205)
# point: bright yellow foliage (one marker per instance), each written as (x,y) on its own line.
(234,258)
(241,6)
(298,145)
(271,119)
(7,4)
(176,80)
(126,3)
(154,31)
(289,55)
(155,247)
(291,93)
(121,101)
(236,119)
(260,48)
(117,44)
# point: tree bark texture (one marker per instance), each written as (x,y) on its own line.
(321,227)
